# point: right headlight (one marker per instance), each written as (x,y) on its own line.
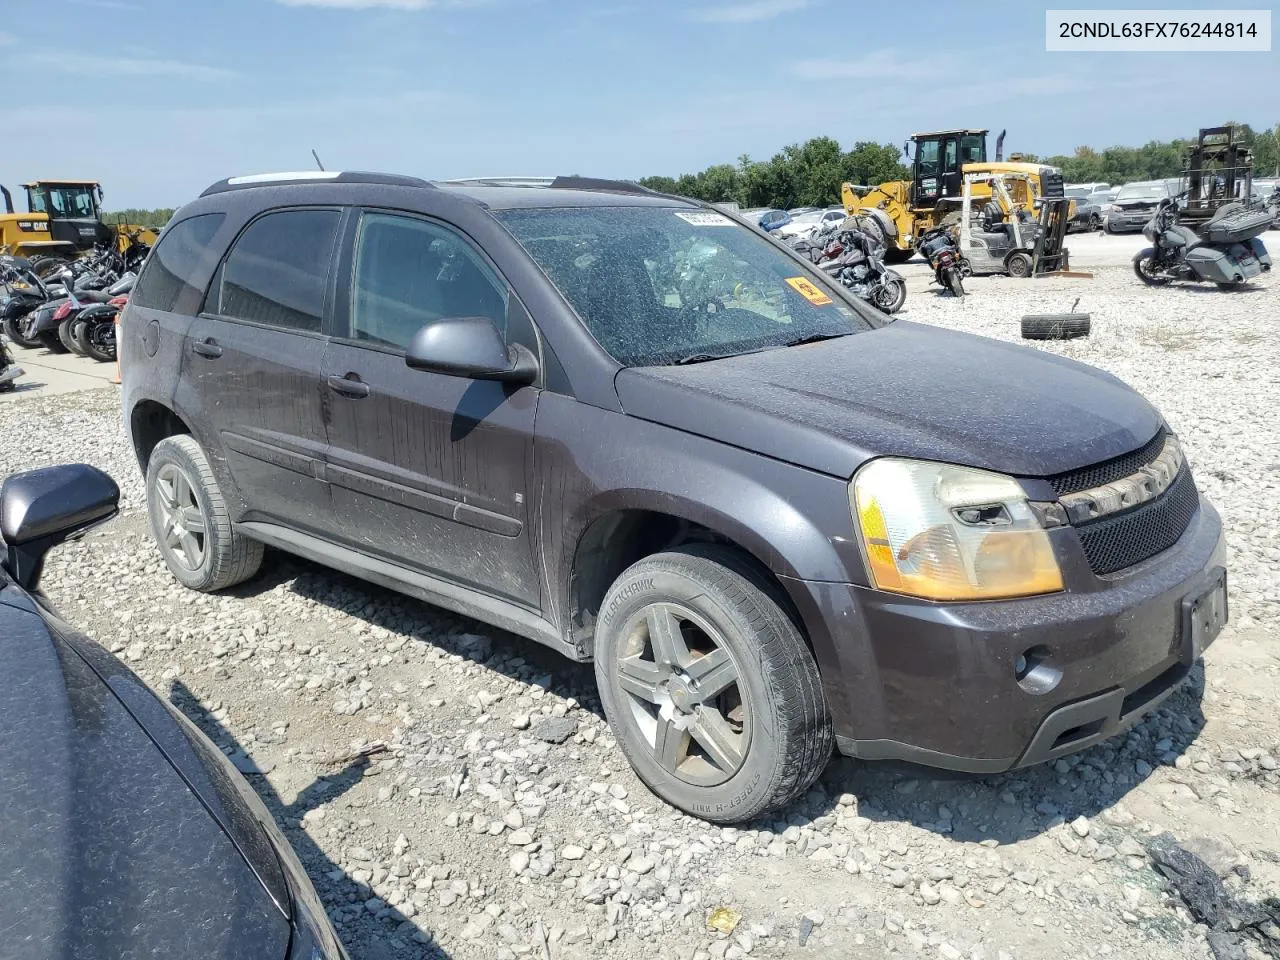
(943,532)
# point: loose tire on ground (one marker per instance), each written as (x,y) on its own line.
(201,549)
(673,628)
(1055,326)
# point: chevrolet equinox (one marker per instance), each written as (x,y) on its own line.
(635,429)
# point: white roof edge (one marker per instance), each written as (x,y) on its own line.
(296,175)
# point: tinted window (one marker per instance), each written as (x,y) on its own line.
(661,285)
(409,272)
(278,271)
(172,265)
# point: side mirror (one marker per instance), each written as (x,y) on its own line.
(470,347)
(43,508)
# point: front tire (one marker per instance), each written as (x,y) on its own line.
(1018,265)
(890,296)
(710,688)
(190,521)
(1144,266)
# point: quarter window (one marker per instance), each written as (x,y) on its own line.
(409,272)
(172,267)
(278,271)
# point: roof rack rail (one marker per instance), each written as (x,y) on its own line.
(294,177)
(576,182)
(501,181)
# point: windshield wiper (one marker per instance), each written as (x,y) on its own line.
(702,358)
(814,338)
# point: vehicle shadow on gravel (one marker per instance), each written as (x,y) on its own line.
(331,881)
(1004,808)
(1022,804)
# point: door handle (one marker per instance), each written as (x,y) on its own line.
(348,386)
(207,348)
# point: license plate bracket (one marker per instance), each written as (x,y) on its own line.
(1204,613)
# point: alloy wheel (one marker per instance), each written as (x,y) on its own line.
(683,692)
(183,525)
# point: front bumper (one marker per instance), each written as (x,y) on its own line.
(1128,223)
(934,683)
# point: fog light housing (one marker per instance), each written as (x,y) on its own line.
(1035,671)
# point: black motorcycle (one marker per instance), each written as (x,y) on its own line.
(852,252)
(25,292)
(1227,250)
(940,248)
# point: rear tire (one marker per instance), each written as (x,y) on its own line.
(190,522)
(13,330)
(1055,326)
(954,283)
(709,686)
(47,266)
(50,340)
(1145,269)
(88,337)
(66,334)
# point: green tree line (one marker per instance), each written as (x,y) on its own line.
(810,174)
(155,219)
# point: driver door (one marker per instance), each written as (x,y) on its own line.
(429,471)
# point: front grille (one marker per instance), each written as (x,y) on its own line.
(1119,541)
(1109,471)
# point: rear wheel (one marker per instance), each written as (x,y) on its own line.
(954,283)
(1147,269)
(712,692)
(190,521)
(48,266)
(66,334)
(13,330)
(50,340)
(97,340)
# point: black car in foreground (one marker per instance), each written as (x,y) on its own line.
(633,428)
(123,831)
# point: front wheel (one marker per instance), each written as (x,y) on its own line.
(709,686)
(1018,265)
(1147,268)
(890,296)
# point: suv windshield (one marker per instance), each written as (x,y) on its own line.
(663,285)
(1143,191)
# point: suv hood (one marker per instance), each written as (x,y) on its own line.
(902,390)
(106,851)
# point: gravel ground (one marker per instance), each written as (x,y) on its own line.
(454,791)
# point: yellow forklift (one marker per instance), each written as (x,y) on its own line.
(939,160)
(63,220)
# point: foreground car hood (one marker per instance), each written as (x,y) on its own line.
(905,390)
(106,851)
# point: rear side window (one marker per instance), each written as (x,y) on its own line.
(277,272)
(172,265)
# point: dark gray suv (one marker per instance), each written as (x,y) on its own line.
(635,429)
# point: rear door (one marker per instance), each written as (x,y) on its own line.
(429,471)
(253,359)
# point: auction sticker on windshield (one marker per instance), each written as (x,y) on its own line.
(705,219)
(807,290)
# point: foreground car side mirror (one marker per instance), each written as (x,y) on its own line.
(40,509)
(470,347)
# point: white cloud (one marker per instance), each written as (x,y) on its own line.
(126,66)
(753,11)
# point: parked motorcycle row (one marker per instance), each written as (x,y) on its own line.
(70,310)
(852,251)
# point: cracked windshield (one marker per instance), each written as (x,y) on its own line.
(662,285)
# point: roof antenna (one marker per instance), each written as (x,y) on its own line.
(317,156)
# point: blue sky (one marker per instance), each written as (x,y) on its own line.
(170,95)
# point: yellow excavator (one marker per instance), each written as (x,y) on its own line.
(939,162)
(63,220)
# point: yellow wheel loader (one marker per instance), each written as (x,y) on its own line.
(63,220)
(939,162)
